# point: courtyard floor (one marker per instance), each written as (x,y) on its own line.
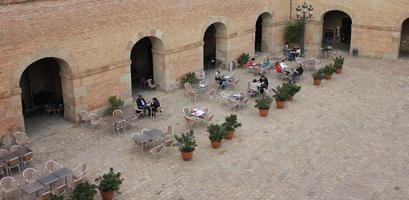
(346,139)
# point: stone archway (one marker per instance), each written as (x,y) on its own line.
(336,29)
(263,34)
(404,40)
(157,44)
(215,35)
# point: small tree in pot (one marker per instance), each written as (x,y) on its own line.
(243,59)
(281,95)
(189,77)
(328,70)
(292,89)
(216,135)
(338,64)
(84,191)
(263,104)
(187,144)
(230,124)
(318,76)
(109,183)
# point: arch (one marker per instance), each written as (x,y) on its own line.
(266,12)
(403,48)
(215,42)
(65,60)
(164,45)
(263,31)
(213,20)
(335,8)
(338,30)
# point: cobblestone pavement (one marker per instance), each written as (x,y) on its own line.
(346,139)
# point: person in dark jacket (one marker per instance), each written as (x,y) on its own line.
(155,104)
(298,71)
(142,105)
(263,84)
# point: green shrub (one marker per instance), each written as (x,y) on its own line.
(231,123)
(264,102)
(84,191)
(328,69)
(216,132)
(243,59)
(55,197)
(338,62)
(115,103)
(189,77)
(292,88)
(109,182)
(186,142)
(293,31)
(281,93)
(318,75)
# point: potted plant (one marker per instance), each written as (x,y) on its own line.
(292,90)
(115,103)
(216,135)
(338,64)
(328,70)
(281,95)
(230,124)
(187,144)
(109,183)
(84,191)
(263,104)
(189,77)
(318,76)
(243,59)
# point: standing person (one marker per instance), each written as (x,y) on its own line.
(263,84)
(142,105)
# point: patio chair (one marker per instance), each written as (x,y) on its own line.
(3,152)
(30,175)
(84,116)
(188,87)
(118,126)
(212,94)
(117,115)
(235,83)
(48,109)
(205,110)
(15,148)
(187,111)
(27,158)
(156,150)
(80,172)
(20,138)
(191,120)
(168,133)
(95,120)
(9,185)
(60,190)
(243,102)
(168,144)
(209,118)
(59,109)
(233,103)
(74,183)
(45,196)
(193,95)
(158,112)
(151,85)
(3,169)
(132,121)
(52,166)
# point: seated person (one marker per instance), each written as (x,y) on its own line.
(155,105)
(284,67)
(221,82)
(254,88)
(251,62)
(263,84)
(298,52)
(278,68)
(142,105)
(298,71)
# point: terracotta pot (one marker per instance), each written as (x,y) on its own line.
(187,156)
(280,104)
(244,66)
(215,144)
(229,136)
(338,71)
(317,81)
(329,77)
(263,113)
(107,195)
(291,98)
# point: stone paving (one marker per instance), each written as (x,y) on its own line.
(346,139)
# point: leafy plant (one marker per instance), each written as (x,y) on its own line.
(293,31)
(338,62)
(84,191)
(186,142)
(231,123)
(115,103)
(281,93)
(216,132)
(109,182)
(55,197)
(243,59)
(328,69)
(292,88)
(318,75)
(264,102)
(189,77)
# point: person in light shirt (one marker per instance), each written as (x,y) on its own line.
(284,67)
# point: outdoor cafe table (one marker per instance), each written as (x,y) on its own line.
(31,188)
(18,153)
(47,180)
(154,133)
(63,173)
(198,113)
(238,96)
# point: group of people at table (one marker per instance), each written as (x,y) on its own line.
(143,106)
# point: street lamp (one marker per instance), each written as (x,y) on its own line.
(304,9)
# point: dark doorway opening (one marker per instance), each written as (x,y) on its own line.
(141,63)
(259,34)
(404,40)
(337,30)
(209,48)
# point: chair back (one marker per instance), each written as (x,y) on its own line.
(210,118)
(205,109)
(117,114)
(80,171)
(14,162)
(203,82)
(190,120)
(61,189)
(52,166)
(20,138)
(94,117)
(121,124)
(76,182)
(8,183)
(157,148)
(30,175)
(188,86)
(232,102)
(83,115)
(192,94)
(15,148)
(3,152)
(45,196)
(212,92)
(28,156)
(168,143)
(170,130)
(187,111)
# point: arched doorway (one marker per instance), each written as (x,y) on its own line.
(262,39)
(404,40)
(336,30)
(147,62)
(215,46)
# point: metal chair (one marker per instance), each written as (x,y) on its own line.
(3,152)
(118,126)
(132,121)
(151,85)
(168,144)
(30,175)
(3,169)
(8,185)
(193,95)
(45,196)
(60,190)
(27,158)
(95,120)
(209,118)
(187,111)
(80,172)
(191,120)
(233,103)
(168,133)
(20,138)
(117,115)
(13,163)
(15,148)
(52,166)
(212,94)
(156,150)
(84,116)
